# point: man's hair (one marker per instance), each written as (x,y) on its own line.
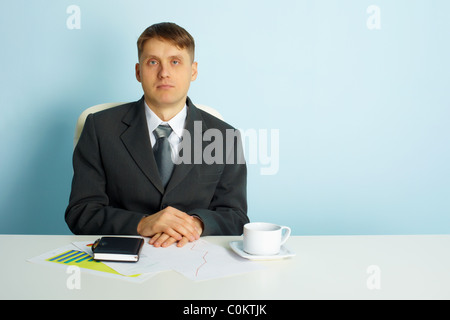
(168,31)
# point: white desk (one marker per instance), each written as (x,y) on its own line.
(325,267)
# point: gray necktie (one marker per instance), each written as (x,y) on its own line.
(162,152)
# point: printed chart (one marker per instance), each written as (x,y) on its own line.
(80,259)
(199,260)
(71,255)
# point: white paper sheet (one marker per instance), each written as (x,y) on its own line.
(201,260)
(198,260)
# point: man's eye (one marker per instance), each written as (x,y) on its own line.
(176,62)
(152,62)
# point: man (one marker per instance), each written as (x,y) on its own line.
(123,182)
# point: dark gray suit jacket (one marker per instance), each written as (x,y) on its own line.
(116,181)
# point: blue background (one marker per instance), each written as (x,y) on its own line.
(363,115)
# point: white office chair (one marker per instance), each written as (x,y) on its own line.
(103,106)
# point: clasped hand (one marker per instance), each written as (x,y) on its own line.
(170,225)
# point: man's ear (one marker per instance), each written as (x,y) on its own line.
(194,71)
(138,72)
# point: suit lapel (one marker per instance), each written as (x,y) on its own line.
(137,142)
(181,170)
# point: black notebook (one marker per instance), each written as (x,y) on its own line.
(117,249)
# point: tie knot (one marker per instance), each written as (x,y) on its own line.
(162,131)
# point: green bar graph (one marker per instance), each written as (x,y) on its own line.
(82,260)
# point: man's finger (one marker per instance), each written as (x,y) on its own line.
(182,242)
(153,239)
(161,239)
(169,242)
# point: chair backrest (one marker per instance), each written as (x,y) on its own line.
(99,107)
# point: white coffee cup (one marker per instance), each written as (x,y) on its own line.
(262,238)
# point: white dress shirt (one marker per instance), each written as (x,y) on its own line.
(176,123)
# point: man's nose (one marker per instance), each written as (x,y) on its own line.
(164,71)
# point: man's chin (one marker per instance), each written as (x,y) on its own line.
(167,102)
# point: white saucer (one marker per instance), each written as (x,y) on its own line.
(237,247)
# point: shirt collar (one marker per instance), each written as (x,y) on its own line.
(176,123)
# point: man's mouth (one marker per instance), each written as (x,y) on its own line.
(164,86)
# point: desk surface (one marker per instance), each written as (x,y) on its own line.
(325,267)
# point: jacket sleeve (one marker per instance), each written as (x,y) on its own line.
(88,211)
(227,212)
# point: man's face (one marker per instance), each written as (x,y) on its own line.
(165,72)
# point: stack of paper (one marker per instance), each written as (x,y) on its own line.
(198,260)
